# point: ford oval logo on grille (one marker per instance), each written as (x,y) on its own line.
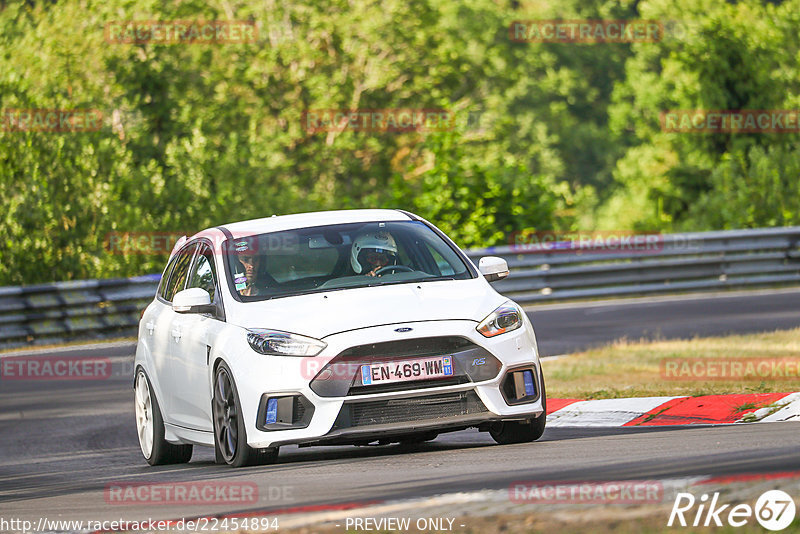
(404,329)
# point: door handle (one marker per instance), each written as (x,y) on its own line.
(176,333)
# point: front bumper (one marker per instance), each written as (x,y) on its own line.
(368,416)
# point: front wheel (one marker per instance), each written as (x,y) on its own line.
(230,436)
(150,427)
(507,432)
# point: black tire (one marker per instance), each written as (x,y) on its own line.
(162,452)
(230,434)
(508,432)
(218,458)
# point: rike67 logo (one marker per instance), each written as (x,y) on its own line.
(774,510)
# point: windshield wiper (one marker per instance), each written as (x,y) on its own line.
(373,284)
(303,292)
(436,279)
(412,281)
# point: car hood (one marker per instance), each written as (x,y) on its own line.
(323,314)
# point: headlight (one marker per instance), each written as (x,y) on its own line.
(276,343)
(504,319)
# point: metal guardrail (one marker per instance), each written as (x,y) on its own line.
(83,309)
(669,263)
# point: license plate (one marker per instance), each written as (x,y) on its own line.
(405,370)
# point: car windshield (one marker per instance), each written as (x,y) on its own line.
(324,258)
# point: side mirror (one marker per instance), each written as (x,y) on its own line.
(493,268)
(193,300)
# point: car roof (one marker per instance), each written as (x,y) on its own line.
(277,223)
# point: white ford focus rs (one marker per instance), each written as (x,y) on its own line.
(330,328)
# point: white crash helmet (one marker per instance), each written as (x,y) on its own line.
(379,241)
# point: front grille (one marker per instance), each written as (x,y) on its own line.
(414,347)
(401,386)
(430,408)
(341,376)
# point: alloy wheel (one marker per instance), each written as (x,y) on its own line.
(226,415)
(144,415)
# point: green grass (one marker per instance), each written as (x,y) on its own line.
(634,369)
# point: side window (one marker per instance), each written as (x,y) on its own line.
(162,286)
(204,275)
(177,279)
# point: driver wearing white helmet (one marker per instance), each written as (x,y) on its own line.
(373,251)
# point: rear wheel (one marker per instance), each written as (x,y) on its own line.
(150,427)
(507,432)
(230,436)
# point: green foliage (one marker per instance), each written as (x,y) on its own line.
(760,187)
(474,201)
(719,56)
(568,136)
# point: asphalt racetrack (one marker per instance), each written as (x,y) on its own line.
(63,442)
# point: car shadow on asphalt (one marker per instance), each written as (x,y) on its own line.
(576,432)
(463,440)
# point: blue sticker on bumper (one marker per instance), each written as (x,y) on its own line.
(527,377)
(272,411)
